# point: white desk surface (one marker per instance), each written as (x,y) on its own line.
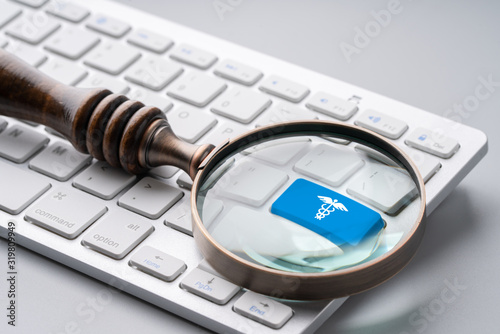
(430,55)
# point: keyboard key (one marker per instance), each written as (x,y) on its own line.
(3,124)
(111,57)
(165,172)
(102,180)
(262,309)
(3,42)
(328,164)
(383,187)
(385,125)
(71,42)
(191,124)
(108,26)
(179,218)
(62,212)
(153,72)
(20,188)
(32,28)
(8,13)
(158,264)
(104,81)
(18,143)
(150,198)
(432,142)
(284,88)
(238,72)
(59,161)
(193,56)
(117,234)
(224,131)
(32,3)
(427,165)
(209,286)
(68,11)
(184,181)
(332,106)
(241,104)
(64,71)
(196,88)
(284,112)
(252,183)
(27,53)
(151,99)
(280,151)
(150,41)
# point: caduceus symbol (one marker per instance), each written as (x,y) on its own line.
(328,207)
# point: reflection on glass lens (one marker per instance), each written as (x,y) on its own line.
(308,204)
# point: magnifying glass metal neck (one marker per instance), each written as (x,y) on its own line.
(297,285)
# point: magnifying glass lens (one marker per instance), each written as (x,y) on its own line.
(308,204)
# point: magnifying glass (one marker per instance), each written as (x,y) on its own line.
(301,210)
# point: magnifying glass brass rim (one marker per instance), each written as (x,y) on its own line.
(307,286)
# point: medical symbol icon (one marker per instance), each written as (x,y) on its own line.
(328,207)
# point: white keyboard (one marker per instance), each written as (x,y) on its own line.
(210,90)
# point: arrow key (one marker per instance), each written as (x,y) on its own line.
(209,286)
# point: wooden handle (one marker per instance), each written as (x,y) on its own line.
(108,126)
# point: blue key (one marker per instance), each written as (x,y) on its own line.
(328,213)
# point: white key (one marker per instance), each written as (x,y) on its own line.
(285,112)
(179,218)
(27,53)
(32,28)
(262,309)
(241,104)
(20,188)
(158,264)
(280,151)
(238,72)
(64,71)
(252,183)
(150,198)
(384,187)
(8,13)
(108,26)
(151,99)
(383,124)
(209,286)
(427,165)
(193,56)
(18,143)
(104,81)
(68,11)
(196,88)
(117,234)
(111,57)
(165,172)
(332,106)
(150,41)
(3,124)
(59,161)
(191,124)
(103,181)
(62,212)
(71,42)
(153,72)
(330,165)
(284,88)
(433,142)
(184,181)
(3,42)
(32,3)
(224,131)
